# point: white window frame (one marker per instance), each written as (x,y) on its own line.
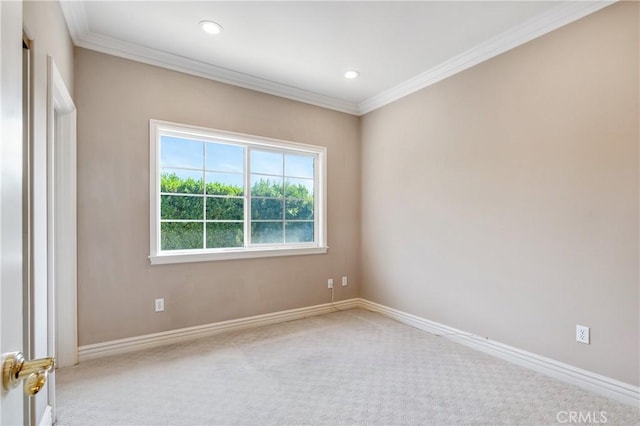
(157,128)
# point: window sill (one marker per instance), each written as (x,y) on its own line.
(183,257)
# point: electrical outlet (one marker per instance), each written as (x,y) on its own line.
(330,283)
(159,305)
(582,334)
(344,281)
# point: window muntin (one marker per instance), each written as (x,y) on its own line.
(219,193)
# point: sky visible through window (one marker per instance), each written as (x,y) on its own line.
(186,158)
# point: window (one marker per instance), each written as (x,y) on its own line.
(218,195)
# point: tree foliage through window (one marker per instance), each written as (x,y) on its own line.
(195,215)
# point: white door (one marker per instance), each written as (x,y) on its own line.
(12,407)
(25,376)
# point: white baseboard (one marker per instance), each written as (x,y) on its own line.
(146,341)
(602,385)
(47,417)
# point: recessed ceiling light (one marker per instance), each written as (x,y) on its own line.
(211,27)
(351,74)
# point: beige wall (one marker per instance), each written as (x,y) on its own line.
(44,24)
(116,284)
(504,200)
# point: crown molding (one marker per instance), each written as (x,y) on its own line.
(76,16)
(82,36)
(173,62)
(538,26)
(565,13)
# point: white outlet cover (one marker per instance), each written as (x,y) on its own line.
(582,334)
(159,305)
(344,281)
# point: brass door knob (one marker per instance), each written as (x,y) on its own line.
(34,373)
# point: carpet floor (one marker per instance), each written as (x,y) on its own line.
(348,367)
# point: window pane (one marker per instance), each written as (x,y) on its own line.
(225,235)
(225,208)
(181,235)
(268,163)
(298,166)
(299,232)
(266,208)
(266,186)
(299,188)
(266,232)
(224,158)
(177,207)
(225,184)
(299,209)
(181,153)
(181,181)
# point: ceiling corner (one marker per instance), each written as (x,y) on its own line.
(76,16)
(559,16)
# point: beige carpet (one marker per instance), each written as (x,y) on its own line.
(350,367)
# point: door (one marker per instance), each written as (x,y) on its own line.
(20,377)
(12,403)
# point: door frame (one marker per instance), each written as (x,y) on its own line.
(61,218)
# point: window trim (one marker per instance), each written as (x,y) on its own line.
(158,256)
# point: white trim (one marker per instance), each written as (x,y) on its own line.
(47,417)
(555,18)
(130,344)
(61,178)
(565,13)
(157,256)
(75,15)
(234,254)
(217,135)
(599,384)
(606,386)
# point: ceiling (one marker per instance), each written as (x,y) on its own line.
(301,50)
